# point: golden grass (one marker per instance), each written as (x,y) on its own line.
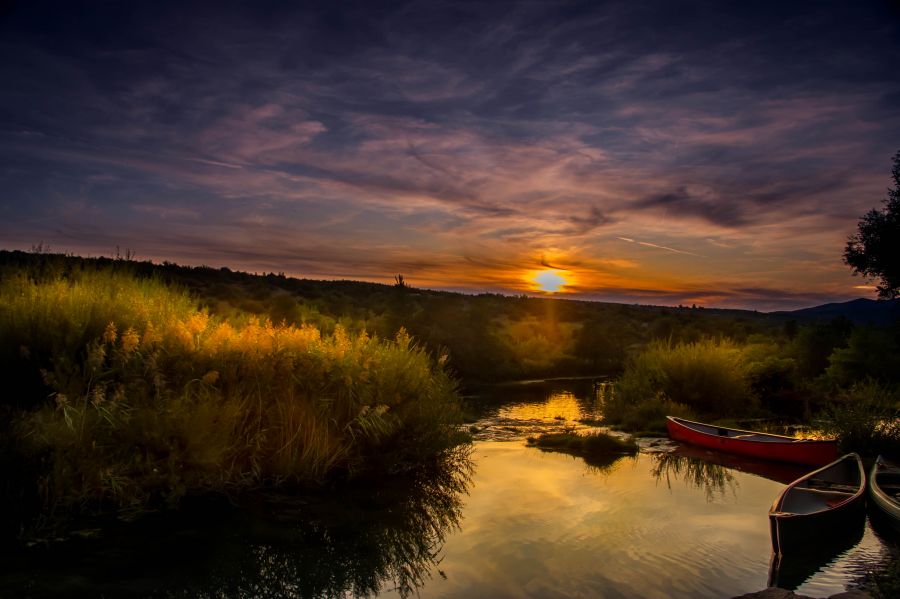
(150,398)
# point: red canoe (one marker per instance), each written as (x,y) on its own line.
(759,445)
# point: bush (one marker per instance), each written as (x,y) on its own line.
(707,377)
(870,353)
(769,372)
(146,398)
(866,419)
(643,417)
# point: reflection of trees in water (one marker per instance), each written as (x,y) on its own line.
(603,464)
(378,538)
(352,542)
(695,472)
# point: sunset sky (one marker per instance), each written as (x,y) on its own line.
(668,152)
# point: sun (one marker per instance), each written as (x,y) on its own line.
(550,281)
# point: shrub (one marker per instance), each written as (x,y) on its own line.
(643,417)
(866,419)
(147,398)
(870,353)
(770,372)
(706,377)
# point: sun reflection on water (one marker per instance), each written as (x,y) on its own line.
(561,405)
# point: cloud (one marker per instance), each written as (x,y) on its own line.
(750,138)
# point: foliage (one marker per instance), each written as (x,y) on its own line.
(149,398)
(605,342)
(813,345)
(870,353)
(641,417)
(771,374)
(707,376)
(874,251)
(866,418)
(537,344)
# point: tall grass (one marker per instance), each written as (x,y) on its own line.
(131,396)
(707,376)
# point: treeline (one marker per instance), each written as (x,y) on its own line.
(487,337)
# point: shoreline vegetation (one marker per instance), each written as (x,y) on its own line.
(131,385)
(129,397)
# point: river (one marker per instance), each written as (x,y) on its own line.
(506,520)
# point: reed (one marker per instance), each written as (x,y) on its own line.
(131,396)
(708,376)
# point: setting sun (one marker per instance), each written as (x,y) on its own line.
(550,281)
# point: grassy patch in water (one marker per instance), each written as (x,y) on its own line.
(595,448)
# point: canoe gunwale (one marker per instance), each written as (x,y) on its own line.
(775,511)
(775,438)
(766,446)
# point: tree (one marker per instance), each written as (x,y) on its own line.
(874,252)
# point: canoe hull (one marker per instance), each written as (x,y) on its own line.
(884,484)
(772,447)
(789,571)
(832,528)
(823,508)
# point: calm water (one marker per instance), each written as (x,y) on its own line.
(507,521)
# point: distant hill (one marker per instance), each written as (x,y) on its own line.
(858,311)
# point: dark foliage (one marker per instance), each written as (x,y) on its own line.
(874,252)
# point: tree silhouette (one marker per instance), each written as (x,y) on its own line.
(874,252)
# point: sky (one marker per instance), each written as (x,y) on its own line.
(712,153)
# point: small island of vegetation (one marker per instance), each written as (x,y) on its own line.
(596,448)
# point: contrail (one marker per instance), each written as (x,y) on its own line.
(659,247)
